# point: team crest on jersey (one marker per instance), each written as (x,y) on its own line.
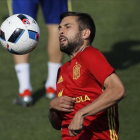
(60,93)
(76,71)
(60,79)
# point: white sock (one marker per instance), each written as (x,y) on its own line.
(52,74)
(23,75)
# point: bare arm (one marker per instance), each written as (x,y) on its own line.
(114,92)
(55,119)
(64,104)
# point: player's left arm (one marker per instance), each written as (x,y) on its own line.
(114,92)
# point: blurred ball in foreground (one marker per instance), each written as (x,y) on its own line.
(19,34)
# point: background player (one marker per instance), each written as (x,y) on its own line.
(51,10)
(88,89)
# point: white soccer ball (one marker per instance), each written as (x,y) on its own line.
(19,34)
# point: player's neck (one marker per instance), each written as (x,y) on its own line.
(80,49)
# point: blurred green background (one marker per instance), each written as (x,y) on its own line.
(118,37)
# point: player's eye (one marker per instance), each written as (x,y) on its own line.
(59,27)
(68,26)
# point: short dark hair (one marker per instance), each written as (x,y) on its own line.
(85,22)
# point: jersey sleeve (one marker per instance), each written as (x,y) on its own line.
(96,64)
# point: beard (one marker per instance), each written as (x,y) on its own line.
(73,44)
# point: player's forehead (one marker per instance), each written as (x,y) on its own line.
(69,20)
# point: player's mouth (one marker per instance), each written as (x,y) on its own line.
(62,39)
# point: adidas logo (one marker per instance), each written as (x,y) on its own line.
(60,79)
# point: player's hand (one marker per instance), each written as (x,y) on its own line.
(63,103)
(76,125)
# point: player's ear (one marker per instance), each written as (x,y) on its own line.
(86,33)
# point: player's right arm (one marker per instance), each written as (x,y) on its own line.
(63,104)
(55,119)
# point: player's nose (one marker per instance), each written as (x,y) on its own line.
(61,31)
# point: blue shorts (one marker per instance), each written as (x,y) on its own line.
(51,9)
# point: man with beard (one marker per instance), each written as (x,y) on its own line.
(88,88)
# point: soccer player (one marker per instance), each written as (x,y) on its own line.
(88,89)
(51,10)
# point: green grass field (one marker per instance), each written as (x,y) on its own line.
(118,37)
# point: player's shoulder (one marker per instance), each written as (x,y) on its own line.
(90,51)
(64,66)
(91,48)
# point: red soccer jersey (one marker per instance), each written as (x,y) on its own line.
(83,78)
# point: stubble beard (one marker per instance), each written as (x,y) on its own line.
(73,45)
